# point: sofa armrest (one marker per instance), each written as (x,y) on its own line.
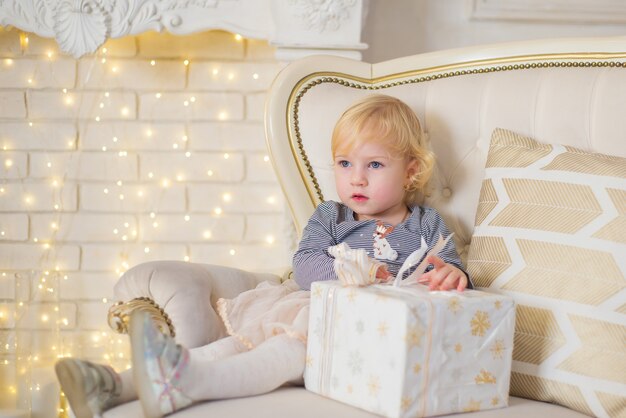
(184,296)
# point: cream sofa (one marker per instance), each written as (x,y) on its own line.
(461,96)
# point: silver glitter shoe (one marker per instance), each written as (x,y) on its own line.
(159,365)
(89,388)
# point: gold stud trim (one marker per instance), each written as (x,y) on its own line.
(119,315)
(419,76)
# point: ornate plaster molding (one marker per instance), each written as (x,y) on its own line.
(296,27)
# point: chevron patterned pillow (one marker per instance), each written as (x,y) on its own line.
(550,231)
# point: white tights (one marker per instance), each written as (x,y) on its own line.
(224,369)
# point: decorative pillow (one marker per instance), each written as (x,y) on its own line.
(550,231)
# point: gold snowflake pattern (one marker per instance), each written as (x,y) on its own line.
(458,347)
(497,304)
(484,377)
(416,368)
(352,295)
(480,323)
(317,291)
(495,401)
(373,385)
(454,304)
(382,329)
(497,349)
(309,361)
(472,406)
(406,402)
(414,337)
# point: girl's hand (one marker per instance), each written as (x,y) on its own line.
(444,276)
(382,274)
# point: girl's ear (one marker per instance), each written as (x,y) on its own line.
(412,169)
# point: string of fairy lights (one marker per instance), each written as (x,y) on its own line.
(45,283)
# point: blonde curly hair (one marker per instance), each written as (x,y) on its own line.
(392,123)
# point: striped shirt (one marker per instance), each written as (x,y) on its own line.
(333,223)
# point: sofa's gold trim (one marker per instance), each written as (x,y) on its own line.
(437,72)
(119,315)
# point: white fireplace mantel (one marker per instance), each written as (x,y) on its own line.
(296,27)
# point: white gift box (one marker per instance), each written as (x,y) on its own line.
(406,351)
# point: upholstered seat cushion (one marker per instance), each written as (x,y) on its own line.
(291,402)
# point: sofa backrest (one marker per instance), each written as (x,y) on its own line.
(571,92)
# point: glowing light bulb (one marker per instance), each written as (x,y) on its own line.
(149,133)
(187,218)
(269,239)
(207,234)
(165,183)
(271,200)
(226,156)
(255,76)
(158,95)
(209,173)
(152,215)
(238,37)
(146,250)
(227,197)
(232,252)
(218,210)
(69,100)
(44,318)
(186,62)
(188,154)
(124,111)
(153,63)
(8,163)
(50,54)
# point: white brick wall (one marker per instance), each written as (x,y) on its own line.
(127,156)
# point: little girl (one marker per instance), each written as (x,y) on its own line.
(380,165)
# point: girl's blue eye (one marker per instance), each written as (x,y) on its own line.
(375,164)
(344,163)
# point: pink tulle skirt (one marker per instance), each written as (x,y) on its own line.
(265,311)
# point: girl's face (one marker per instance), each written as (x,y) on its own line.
(370,181)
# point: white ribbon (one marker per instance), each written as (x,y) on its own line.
(355,267)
